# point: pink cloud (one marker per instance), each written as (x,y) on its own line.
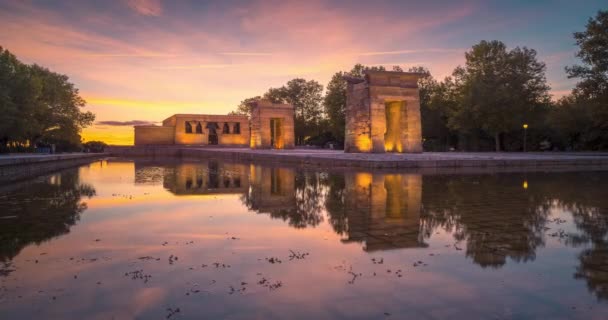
(146,7)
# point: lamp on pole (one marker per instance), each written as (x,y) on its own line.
(525,126)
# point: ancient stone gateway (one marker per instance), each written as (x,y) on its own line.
(272,125)
(383,113)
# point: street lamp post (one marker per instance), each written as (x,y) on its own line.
(525,135)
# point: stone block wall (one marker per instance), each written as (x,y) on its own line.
(224,139)
(358,120)
(366,113)
(154,135)
(261,114)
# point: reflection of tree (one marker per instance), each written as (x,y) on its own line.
(585,197)
(335,203)
(493,213)
(40,210)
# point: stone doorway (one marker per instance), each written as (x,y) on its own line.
(395,125)
(213,138)
(276,133)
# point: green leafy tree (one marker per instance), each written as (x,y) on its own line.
(568,120)
(306,97)
(437,99)
(498,90)
(592,90)
(244,107)
(38,105)
(334,102)
(12,78)
(95,146)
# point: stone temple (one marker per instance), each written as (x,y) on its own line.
(271,127)
(383,113)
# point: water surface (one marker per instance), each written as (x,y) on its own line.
(141,239)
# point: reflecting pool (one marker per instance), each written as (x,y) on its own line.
(143,239)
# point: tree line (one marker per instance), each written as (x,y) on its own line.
(490,103)
(38,107)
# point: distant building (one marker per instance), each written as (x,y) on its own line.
(271,126)
(383,113)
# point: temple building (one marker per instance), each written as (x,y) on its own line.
(383,113)
(271,127)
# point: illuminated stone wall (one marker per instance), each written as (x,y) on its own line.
(173,131)
(179,121)
(383,113)
(262,112)
(146,135)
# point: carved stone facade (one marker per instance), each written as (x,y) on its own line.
(271,126)
(383,113)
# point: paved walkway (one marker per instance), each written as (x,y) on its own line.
(403,160)
(432,156)
(29,158)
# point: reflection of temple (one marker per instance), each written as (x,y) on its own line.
(272,189)
(383,210)
(210,177)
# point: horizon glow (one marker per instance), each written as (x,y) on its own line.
(145,60)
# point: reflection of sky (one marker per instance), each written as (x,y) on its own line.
(135,220)
(148,59)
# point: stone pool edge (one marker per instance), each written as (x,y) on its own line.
(18,167)
(325,159)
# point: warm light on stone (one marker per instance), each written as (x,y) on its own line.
(383,113)
(271,127)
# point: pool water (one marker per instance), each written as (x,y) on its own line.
(164,239)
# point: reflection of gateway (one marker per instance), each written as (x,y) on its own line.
(383,210)
(272,189)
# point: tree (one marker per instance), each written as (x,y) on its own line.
(306,97)
(334,102)
(435,99)
(244,107)
(95,146)
(498,90)
(592,89)
(38,105)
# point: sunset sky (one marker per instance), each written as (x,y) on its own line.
(144,60)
